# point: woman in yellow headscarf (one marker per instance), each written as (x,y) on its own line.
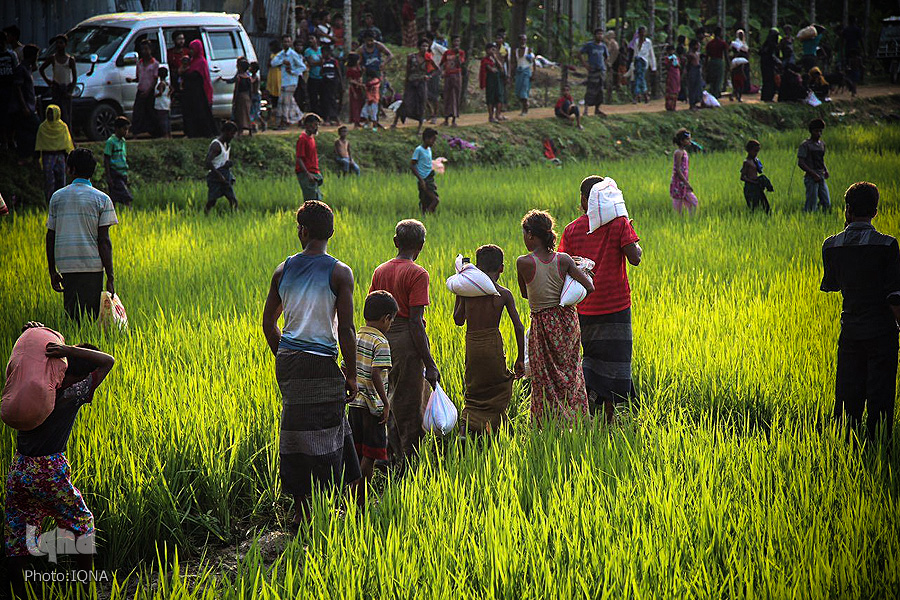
(818,84)
(54,142)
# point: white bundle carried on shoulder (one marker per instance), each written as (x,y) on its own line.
(738,61)
(470,281)
(807,33)
(440,413)
(605,203)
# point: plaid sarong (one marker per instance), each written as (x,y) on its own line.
(316,445)
(607,341)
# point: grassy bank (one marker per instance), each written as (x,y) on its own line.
(515,143)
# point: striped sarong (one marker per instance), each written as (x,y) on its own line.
(607,341)
(316,445)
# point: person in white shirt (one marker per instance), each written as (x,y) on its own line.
(644,58)
(292,68)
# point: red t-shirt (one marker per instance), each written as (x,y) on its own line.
(604,247)
(405,280)
(562,101)
(716,48)
(306,152)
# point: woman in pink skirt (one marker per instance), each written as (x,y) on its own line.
(680,189)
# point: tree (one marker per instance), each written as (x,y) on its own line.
(745,18)
(651,25)
(427,15)
(845,19)
(517,22)
(470,47)
(348,25)
(812,11)
(488,19)
(774,13)
(548,26)
(457,16)
(673,24)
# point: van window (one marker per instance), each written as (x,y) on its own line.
(102,41)
(147,34)
(224,45)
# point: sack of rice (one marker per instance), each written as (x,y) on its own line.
(32,378)
(470,281)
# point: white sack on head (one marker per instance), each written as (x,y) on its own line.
(605,203)
(470,281)
(738,61)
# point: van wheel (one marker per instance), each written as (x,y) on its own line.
(101,123)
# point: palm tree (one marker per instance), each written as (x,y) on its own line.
(673,25)
(774,13)
(348,25)
(745,18)
(812,11)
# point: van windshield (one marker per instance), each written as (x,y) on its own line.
(102,41)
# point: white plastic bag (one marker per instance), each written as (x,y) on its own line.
(573,292)
(710,101)
(112,311)
(738,61)
(440,413)
(813,100)
(470,281)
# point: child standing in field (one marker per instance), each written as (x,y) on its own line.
(755,183)
(342,153)
(421,165)
(219,179)
(54,142)
(162,103)
(307,165)
(373,99)
(488,380)
(554,342)
(370,410)
(115,163)
(39,484)
(811,159)
(680,189)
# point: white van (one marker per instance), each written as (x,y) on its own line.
(105,51)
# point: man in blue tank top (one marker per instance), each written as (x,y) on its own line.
(314,292)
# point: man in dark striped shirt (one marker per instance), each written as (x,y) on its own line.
(864,265)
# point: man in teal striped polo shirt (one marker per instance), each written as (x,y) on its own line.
(78,246)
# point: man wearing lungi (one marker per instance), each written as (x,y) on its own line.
(605,315)
(314,291)
(594,56)
(410,349)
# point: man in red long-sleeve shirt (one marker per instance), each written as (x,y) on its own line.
(307,165)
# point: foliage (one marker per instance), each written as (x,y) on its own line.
(725,479)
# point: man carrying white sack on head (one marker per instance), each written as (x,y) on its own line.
(605,235)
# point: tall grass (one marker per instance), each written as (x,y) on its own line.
(724,480)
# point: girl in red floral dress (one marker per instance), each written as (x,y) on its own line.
(557,380)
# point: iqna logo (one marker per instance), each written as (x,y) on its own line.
(55,542)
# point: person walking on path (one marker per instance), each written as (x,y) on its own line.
(605,315)
(415,92)
(811,160)
(78,245)
(644,58)
(411,355)
(768,63)
(146,75)
(314,292)
(595,58)
(557,379)
(24,105)
(422,167)
(673,77)
(219,179)
(54,142)
(524,59)
(292,68)
(492,81)
(716,52)
(307,163)
(864,266)
(197,94)
(64,76)
(452,63)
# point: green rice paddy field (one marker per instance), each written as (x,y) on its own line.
(726,480)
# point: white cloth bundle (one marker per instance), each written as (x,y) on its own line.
(605,203)
(807,33)
(440,413)
(573,292)
(710,101)
(470,281)
(740,60)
